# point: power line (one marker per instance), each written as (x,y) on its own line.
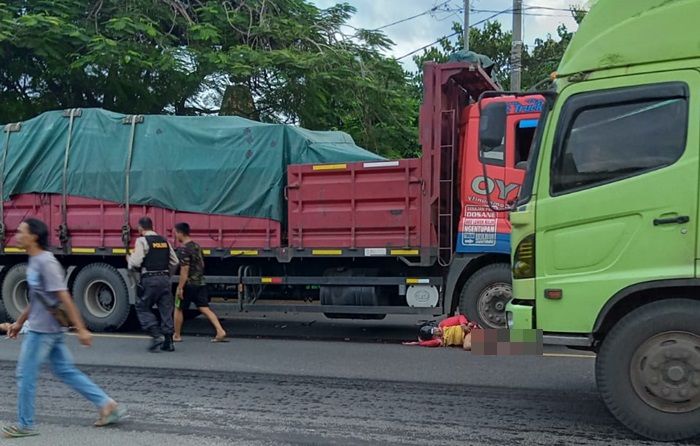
(428,45)
(433,9)
(455,33)
(456,13)
(548,8)
(531,14)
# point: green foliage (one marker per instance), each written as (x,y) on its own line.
(538,62)
(276,61)
(269,60)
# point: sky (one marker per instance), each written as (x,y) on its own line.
(415,33)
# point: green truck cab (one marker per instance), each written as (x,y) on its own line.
(606,253)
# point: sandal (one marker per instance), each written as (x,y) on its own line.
(18,432)
(215,340)
(115,416)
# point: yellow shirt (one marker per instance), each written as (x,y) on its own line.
(452,336)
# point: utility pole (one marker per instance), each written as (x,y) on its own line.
(466,25)
(516,51)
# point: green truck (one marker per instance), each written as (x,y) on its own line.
(606,253)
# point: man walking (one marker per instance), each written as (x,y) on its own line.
(44,340)
(191,287)
(155,258)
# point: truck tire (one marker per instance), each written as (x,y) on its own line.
(648,372)
(102,297)
(15,291)
(3,313)
(365,296)
(485,295)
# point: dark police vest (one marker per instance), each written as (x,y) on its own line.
(158,257)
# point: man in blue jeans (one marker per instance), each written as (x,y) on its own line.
(45,339)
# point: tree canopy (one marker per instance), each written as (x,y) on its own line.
(274,61)
(270,60)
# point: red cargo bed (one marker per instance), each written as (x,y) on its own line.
(96,224)
(356,205)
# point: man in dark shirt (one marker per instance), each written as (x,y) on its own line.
(191,287)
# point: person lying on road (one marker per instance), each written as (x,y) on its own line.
(453,331)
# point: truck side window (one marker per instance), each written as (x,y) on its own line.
(611,142)
(524,134)
(495,156)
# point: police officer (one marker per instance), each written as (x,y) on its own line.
(155,258)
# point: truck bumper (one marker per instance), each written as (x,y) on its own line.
(519,316)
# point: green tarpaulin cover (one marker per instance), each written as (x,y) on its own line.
(470,56)
(215,164)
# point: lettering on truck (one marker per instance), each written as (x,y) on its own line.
(480,185)
(480,227)
(530,106)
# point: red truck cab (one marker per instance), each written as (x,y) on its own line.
(490,181)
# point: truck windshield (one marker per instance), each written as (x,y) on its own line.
(529,182)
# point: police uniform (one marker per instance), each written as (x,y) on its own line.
(155,257)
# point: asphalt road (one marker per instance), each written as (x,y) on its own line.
(298,392)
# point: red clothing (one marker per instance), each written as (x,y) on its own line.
(452,321)
(448,322)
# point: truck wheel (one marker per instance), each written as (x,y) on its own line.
(15,292)
(3,313)
(102,297)
(485,295)
(365,296)
(648,370)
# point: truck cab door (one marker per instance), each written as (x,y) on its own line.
(493,184)
(483,172)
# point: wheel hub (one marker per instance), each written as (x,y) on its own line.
(676,373)
(492,304)
(665,372)
(100,298)
(20,295)
(105,299)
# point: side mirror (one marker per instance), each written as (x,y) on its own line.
(492,125)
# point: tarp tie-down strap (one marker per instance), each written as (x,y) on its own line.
(63,233)
(8,129)
(126,228)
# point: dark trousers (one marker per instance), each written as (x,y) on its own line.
(156,291)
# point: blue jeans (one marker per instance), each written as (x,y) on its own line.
(36,349)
